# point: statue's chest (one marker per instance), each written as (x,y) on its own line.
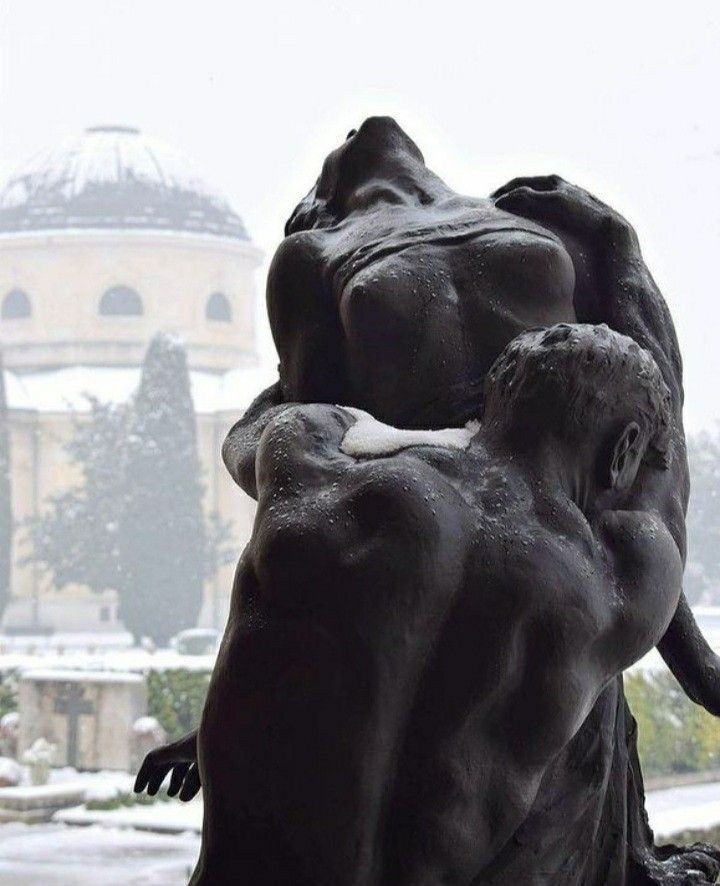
(423,325)
(473,295)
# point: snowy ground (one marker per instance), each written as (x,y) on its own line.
(58,855)
(172,817)
(684,808)
(105,855)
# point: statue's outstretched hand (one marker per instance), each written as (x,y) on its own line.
(178,757)
(549,199)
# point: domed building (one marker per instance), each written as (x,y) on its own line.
(105,240)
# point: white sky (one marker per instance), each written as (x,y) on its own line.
(620,97)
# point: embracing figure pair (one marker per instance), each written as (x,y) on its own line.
(420,680)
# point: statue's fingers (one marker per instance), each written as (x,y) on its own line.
(157,778)
(563,208)
(704,858)
(534,182)
(530,202)
(191,785)
(145,773)
(176,779)
(550,198)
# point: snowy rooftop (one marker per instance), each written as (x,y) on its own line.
(114,177)
(68,389)
(99,665)
(66,675)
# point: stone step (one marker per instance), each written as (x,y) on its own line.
(34,803)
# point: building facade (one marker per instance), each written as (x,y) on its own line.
(106,240)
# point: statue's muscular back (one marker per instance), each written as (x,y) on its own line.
(516,664)
(329,758)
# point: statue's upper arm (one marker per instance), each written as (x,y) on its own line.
(644,584)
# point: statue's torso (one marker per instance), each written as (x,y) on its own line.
(426,300)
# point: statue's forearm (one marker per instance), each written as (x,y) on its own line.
(188,744)
(690,658)
(634,306)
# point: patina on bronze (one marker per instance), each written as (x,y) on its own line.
(420,681)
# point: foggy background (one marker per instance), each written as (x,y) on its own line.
(620,98)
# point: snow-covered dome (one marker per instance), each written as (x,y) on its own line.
(114,177)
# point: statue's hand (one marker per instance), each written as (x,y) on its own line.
(180,757)
(565,207)
(699,863)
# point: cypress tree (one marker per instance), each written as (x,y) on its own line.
(161,535)
(6,521)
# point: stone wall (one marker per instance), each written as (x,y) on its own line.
(87,715)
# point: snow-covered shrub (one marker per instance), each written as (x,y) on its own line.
(147,733)
(196,641)
(149,727)
(176,698)
(39,758)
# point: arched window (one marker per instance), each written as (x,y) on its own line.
(121,301)
(16,305)
(218,308)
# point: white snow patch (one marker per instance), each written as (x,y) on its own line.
(369,437)
(11,772)
(103,781)
(56,855)
(47,792)
(146,726)
(172,817)
(68,389)
(75,665)
(683,808)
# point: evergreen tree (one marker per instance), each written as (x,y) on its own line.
(6,521)
(75,538)
(702,574)
(162,538)
(131,523)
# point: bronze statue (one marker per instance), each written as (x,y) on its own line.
(419,682)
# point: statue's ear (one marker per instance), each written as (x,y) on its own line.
(625,457)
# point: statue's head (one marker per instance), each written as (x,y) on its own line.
(596,393)
(377,163)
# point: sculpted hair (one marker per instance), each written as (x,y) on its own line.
(573,378)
